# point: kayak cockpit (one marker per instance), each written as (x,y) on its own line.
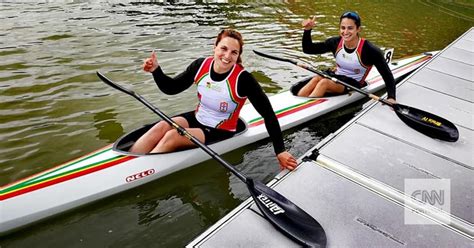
(124,143)
(300,84)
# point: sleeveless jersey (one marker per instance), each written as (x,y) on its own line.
(219,103)
(350,64)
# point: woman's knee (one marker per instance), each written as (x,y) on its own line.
(314,81)
(325,82)
(170,136)
(171,141)
(319,78)
(159,127)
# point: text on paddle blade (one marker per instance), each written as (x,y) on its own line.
(270,205)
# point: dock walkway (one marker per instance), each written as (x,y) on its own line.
(356,182)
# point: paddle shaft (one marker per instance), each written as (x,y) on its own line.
(376,98)
(422,121)
(309,68)
(286,216)
(175,125)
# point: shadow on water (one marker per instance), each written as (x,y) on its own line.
(107,126)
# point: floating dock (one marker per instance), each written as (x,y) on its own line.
(358,182)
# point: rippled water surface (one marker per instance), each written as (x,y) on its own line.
(53,108)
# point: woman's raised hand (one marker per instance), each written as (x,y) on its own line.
(151,63)
(308,24)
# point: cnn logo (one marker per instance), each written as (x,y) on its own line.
(432,192)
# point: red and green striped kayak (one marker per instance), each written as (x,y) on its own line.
(113,169)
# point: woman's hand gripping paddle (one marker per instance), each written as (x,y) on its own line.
(287,217)
(424,122)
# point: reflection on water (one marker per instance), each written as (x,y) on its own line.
(107,127)
(209,196)
(165,213)
(53,108)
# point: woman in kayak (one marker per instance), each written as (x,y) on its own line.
(354,55)
(223,86)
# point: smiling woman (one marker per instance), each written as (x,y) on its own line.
(281,212)
(223,87)
(354,55)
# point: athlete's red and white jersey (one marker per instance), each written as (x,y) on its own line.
(219,103)
(350,64)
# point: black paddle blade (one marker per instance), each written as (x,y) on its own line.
(274,57)
(291,220)
(427,123)
(113,85)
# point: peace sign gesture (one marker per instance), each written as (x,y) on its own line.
(308,24)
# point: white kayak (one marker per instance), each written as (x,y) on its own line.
(112,169)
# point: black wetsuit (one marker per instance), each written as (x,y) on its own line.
(247,86)
(370,55)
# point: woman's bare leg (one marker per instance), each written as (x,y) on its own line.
(150,139)
(326,85)
(309,87)
(173,141)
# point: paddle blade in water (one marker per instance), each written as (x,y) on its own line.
(291,220)
(427,123)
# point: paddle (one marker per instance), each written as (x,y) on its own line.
(427,123)
(291,220)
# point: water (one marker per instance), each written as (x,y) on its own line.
(53,108)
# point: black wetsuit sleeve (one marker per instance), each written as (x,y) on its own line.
(173,86)
(371,55)
(249,87)
(329,45)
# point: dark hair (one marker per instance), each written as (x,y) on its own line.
(232,34)
(351,15)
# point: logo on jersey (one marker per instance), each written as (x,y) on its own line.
(223,106)
(356,71)
(214,87)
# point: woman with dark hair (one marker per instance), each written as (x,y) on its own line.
(354,55)
(223,86)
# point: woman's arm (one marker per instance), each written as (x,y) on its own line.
(371,55)
(181,82)
(249,87)
(309,47)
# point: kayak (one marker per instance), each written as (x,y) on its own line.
(112,169)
